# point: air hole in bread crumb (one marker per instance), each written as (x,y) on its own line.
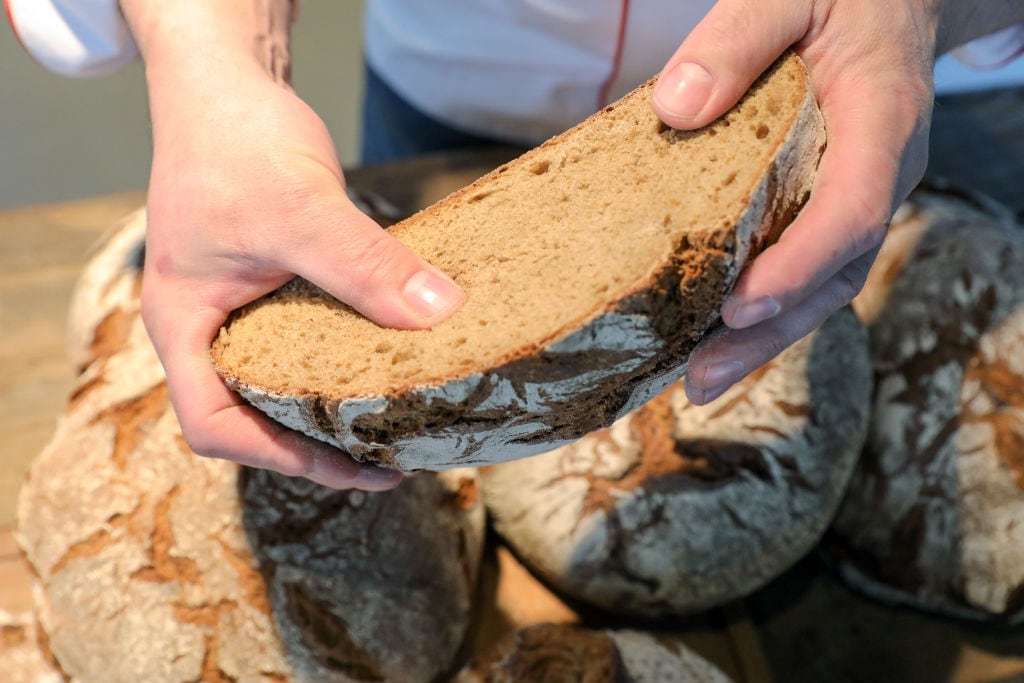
(762,132)
(729,178)
(401,357)
(478,196)
(540,168)
(383,348)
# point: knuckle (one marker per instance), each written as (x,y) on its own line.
(373,258)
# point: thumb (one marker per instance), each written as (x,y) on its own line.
(723,56)
(358,262)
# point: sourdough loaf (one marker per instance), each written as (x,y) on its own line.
(677,508)
(155,564)
(565,653)
(593,264)
(932,517)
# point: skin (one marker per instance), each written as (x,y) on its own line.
(246,191)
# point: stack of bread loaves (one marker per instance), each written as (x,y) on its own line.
(154,564)
(593,265)
(933,515)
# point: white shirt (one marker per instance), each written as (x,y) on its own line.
(519,69)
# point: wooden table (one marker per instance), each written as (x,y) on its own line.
(803,627)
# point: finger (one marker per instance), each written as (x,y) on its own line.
(358,262)
(729,355)
(723,55)
(217,423)
(876,153)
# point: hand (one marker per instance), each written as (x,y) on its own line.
(246,192)
(871,65)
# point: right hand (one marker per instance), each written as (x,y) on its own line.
(246,192)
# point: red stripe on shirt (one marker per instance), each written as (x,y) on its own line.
(14,26)
(620,40)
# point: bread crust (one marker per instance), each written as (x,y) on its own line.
(563,652)
(592,371)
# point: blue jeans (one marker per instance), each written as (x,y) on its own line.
(394,129)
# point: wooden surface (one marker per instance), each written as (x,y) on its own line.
(804,626)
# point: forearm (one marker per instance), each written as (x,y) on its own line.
(200,35)
(208,64)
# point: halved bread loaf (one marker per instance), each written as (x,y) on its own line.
(594,263)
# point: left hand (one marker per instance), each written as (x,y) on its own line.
(871,64)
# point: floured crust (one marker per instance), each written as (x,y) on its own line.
(527,400)
(932,517)
(678,508)
(105,299)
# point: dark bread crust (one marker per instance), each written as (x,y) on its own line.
(582,377)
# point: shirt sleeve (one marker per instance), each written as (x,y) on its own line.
(994,50)
(73,37)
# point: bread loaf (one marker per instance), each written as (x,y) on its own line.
(932,517)
(593,265)
(154,564)
(562,653)
(677,508)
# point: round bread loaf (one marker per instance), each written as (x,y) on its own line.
(593,265)
(677,508)
(933,515)
(154,564)
(563,653)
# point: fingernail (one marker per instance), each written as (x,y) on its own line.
(430,293)
(711,394)
(754,312)
(724,374)
(683,90)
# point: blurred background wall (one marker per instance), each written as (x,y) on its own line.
(64,138)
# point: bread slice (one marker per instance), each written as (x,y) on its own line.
(594,263)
